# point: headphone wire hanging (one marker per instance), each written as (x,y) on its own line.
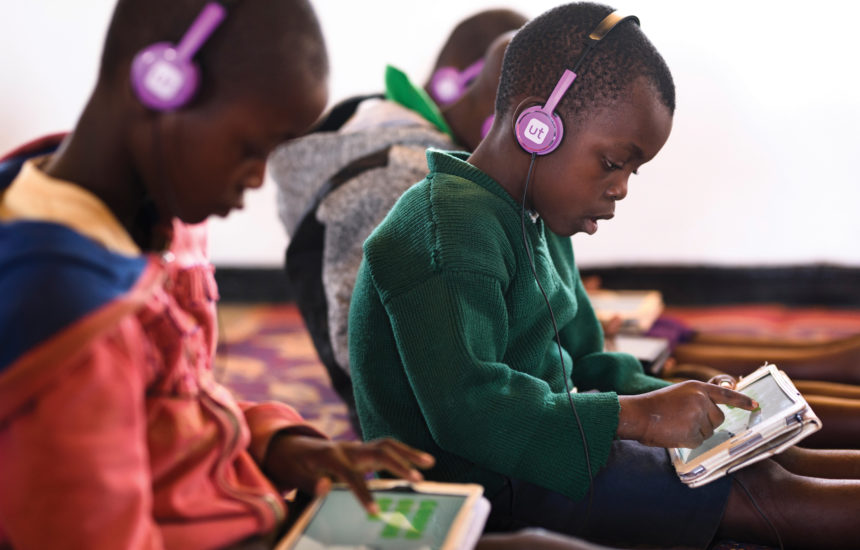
(760,511)
(557,340)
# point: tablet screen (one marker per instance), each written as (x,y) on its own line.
(772,401)
(408,520)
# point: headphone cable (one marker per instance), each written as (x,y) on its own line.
(557,340)
(760,511)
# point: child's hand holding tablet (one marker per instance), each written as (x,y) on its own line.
(781,419)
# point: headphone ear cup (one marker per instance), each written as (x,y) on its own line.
(161,79)
(539,132)
(446,85)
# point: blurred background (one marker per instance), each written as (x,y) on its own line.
(760,169)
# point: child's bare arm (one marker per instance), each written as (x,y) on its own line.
(681,415)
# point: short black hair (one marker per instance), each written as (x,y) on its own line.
(554,41)
(260,42)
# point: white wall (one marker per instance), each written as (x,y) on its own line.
(760,167)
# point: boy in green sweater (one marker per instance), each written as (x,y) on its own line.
(469,325)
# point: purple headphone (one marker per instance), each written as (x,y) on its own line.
(449,84)
(165,77)
(539,129)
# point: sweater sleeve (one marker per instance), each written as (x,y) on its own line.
(480,407)
(596,369)
(74,467)
(268,418)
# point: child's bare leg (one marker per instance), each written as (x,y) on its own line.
(807,512)
(837,361)
(674,370)
(831,389)
(840,418)
(824,463)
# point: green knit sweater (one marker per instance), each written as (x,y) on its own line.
(451,345)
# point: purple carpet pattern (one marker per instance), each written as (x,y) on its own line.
(265,353)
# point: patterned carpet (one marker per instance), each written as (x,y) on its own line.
(265,352)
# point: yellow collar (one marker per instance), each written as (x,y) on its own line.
(36,196)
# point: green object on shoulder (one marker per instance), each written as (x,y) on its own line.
(400,89)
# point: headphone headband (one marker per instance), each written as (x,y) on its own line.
(203,26)
(609,22)
(565,82)
(539,129)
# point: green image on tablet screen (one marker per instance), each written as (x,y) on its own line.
(407,521)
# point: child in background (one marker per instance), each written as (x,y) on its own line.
(403,114)
(454,349)
(113,433)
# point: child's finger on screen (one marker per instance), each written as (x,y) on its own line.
(322,487)
(732,398)
(358,485)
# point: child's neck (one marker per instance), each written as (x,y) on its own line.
(504,161)
(95,157)
(464,121)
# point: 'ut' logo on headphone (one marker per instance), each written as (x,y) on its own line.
(536,131)
(163,80)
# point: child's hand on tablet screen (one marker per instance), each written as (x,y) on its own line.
(680,415)
(311,464)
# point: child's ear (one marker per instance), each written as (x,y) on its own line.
(537,130)
(530,101)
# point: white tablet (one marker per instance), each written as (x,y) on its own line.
(425,515)
(782,419)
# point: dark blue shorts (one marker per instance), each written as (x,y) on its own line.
(637,500)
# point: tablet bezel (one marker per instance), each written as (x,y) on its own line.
(459,527)
(704,463)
